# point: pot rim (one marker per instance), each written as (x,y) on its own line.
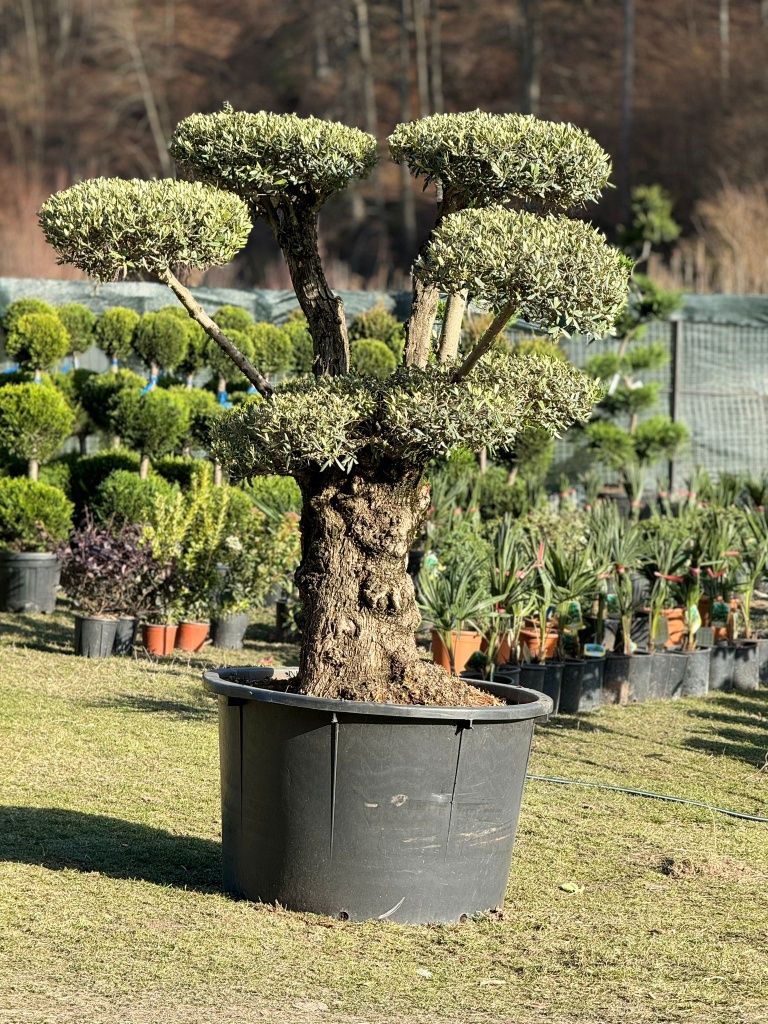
(223,681)
(8,555)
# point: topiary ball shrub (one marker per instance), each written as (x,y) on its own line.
(155,423)
(378,323)
(233,318)
(99,390)
(272,348)
(125,498)
(33,516)
(80,322)
(21,307)
(177,469)
(35,421)
(301,342)
(90,471)
(203,411)
(37,341)
(371,358)
(113,332)
(161,339)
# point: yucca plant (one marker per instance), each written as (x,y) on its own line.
(720,541)
(754,559)
(510,578)
(452,600)
(575,578)
(664,560)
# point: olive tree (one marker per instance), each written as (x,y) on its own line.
(358,446)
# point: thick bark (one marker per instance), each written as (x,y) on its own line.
(358,603)
(295,231)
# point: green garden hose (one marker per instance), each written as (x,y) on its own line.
(648,793)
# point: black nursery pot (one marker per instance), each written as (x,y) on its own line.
(228,631)
(658,684)
(640,677)
(746,666)
(581,689)
(94,637)
(721,667)
(369,811)
(28,581)
(616,678)
(696,678)
(125,636)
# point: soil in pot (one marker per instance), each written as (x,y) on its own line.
(616,678)
(382,819)
(125,636)
(746,667)
(191,636)
(28,581)
(465,643)
(159,639)
(721,667)
(94,636)
(696,677)
(228,631)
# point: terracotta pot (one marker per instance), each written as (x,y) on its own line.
(675,618)
(192,636)
(159,639)
(464,644)
(530,638)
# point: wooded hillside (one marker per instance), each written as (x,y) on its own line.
(674,89)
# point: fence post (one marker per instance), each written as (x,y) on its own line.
(675,381)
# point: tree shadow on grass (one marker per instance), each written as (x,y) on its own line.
(39,633)
(732,743)
(59,839)
(153,705)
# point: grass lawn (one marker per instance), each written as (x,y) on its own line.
(619,909)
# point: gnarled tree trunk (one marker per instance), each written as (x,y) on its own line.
(359,608)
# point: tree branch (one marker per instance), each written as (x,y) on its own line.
(484,345)
(212,329)
(295,231)
(451,332)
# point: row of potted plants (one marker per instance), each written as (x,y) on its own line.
(656,608)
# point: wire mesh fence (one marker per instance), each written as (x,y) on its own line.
(715,380)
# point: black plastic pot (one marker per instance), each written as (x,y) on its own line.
(510,672)
(696,677)
(570,686)
(616,679)
(658,687)
(28,581)
(678,665)
(553,680)
(762,659)
(125,636)
(94,636)
(721,667)
(639,677)
(746,668)
(229,630)
(532,675)
(369,811)
(500,678)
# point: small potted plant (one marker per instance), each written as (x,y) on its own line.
(35,421)
(108,574)
(34,518)
(753,562)
(665,556)
(456,604)
(697,658)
